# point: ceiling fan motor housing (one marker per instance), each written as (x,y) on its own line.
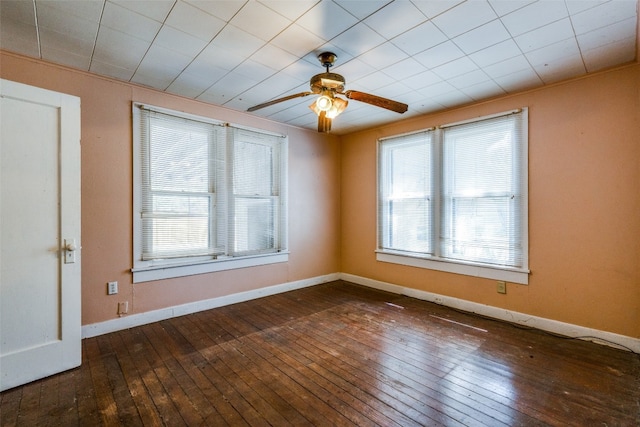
(332,81)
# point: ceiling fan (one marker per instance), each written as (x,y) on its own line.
(327,85)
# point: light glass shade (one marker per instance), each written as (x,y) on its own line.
(324,103)
(337,107)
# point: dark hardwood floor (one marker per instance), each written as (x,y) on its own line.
(334,355)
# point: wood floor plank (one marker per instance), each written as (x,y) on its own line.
(335,354)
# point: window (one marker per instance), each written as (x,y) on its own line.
(208,196)
(454,198)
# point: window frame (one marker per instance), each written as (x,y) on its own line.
(157,269)
(435,261)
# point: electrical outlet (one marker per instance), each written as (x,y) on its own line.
(502,287)
(112,288)
(123,308)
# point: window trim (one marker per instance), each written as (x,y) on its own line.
(150,270)
(435,262)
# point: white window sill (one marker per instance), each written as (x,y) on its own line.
(512,275)
(169,271)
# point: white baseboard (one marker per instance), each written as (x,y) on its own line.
(554,326)
(130,321)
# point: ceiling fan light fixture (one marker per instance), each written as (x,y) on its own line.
(337,107)
(324,102)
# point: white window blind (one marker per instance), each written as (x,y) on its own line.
(205,190)
(179,175)
(406,193)
(482,196)
(457,194)
(256,192)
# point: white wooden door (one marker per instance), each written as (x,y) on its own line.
(40,330)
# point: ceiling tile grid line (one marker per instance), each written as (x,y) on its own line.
(431,55)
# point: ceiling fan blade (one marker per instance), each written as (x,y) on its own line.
(324,122)
(378,101)
(275,101)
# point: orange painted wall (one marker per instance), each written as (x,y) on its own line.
(107,174)
(584,208)
(584,205)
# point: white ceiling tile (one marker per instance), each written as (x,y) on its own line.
(129,22)
(119,49)
(464,17)
(483,90)
(297,40)
(253,70)
(455,68)
(561,68)
(496,53)
(179,41)
(194,21)
(371,82)
(437,89)
(431,8)
(19,37)
(89,10)
(327,20)
(223,9)
(205,67)
(609,34)
(301,71)
(354,69)
(154,80)
(504,7)
(619,52)
(482,37)
(291,9)
(403,69)
(534,16)
(238,41)
(50,39)
(394,91)
(422,80)
(452,99)
(17,10)
(189,85)
(220,57)
(419,38)
(342,57)
(158,10)
(603,15)
(361,9)
(162,61)
(111,70)
(577,6)
(546,35)
(358,40)
(56,20)
(382,56)
(64,57)
(520,80)
(257,19)
(395,18)
(231,86)
(509,66)
(440,54)
(469,79)
(202,52)
(273,57)
(553,52)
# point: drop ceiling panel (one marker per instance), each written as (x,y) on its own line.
(429,54)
